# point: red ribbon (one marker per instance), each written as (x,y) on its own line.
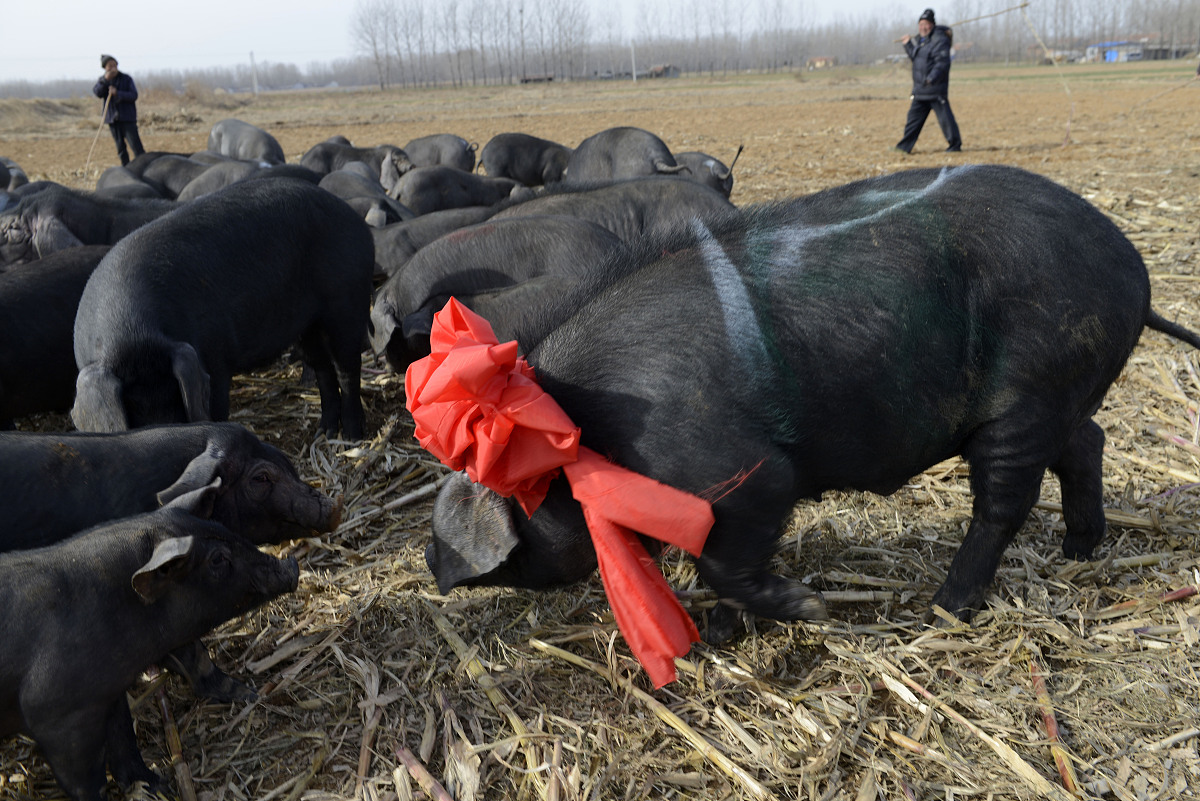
(479,408)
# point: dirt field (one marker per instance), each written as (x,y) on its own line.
(366,658)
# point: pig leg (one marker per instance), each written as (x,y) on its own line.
(1005,482)
(347,357)
(218,393)
(315,349)
(208,681)
(338,385)
(124,758)
(1079,473)
(73,745)
(738,552)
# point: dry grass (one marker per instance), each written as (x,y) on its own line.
(366,671)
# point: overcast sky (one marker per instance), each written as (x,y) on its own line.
(53,39)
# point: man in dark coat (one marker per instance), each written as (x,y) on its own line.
(120,109)
(930,54)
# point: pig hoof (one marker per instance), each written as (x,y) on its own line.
(724,623)
(1077,549)
(937,617)
(224,689)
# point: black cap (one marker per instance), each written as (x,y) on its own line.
(105,58)
(926,14)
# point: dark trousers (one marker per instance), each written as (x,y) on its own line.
(123,132)
(919,111)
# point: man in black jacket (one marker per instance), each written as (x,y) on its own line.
(930,54)
(120,110)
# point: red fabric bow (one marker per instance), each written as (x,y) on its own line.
(478,407)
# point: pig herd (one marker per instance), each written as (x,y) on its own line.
(754,356)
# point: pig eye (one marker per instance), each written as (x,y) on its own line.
(220,562)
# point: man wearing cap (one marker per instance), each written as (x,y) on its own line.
(120,108)
(930,54)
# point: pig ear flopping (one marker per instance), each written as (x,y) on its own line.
(482,539)
(198,475)
(193,381)
(98,405)
(50,235)
(167,564)
(197,502)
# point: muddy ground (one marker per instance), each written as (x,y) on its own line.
(367,658)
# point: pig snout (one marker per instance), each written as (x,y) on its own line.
(278,577)
(335,517)
(319,512)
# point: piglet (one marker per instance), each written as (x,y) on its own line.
(83,618)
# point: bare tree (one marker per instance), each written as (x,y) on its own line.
(369,30)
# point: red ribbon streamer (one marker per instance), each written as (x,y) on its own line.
(478,407)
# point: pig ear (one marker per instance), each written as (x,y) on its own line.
(167,564)
(193,381)
(389,177)
(50,234)
(480,537)
(98,404)
(197,502)
(382,324)
(200,473)
(419,323)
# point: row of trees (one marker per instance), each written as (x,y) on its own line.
(418,42)
(404,43)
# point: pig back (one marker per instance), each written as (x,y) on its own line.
(861,333)
(238,273)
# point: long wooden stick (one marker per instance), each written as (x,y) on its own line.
(976,19)
(103,114)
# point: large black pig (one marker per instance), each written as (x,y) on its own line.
(845,340)
(223,285)
(83,618)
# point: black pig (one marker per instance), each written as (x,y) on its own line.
(63,483)
(616,154)
(83,618)
(396,243)
(55,217)
(845,340)
(426,189)
(38,301)
(525,158)
(224,285)
(634,210)
(513,272)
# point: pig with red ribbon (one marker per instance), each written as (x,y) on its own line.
(845,340)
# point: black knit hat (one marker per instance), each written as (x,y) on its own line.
(105,58)
(926,14)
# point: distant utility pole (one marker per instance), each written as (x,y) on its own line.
(521,14)
(253,73)
(633,59)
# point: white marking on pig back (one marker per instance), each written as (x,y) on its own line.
(741,323)
(792,240)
